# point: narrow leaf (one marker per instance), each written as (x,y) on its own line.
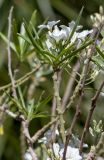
(21,98)
(15,37)
(76,24)
(6,41)
(100,52)
(76,51)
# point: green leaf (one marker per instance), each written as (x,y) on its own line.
(76,24)
(21,98)
(6,41)
(30,36)
(102,32)
(17,103)
(39,115)
(33,109)
(76,51)
(42,103)
(24,38)
(24,42)
(39,50)
(63,52)
(15,38)
(100,52)
(33,19)
(30,109)
(98,61)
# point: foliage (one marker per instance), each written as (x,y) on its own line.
(44,62)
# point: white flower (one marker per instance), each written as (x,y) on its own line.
(56,149)
(27,156)
(57,34)
(48,44)
(72,24)
(43,140)
(49,25)
(98,18)
(83,34)
(71,154)
(57,132)
(66,29)
(56,37)
(102,94)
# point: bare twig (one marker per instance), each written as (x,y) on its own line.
(100,143)
(54,105)
(90,52)
(79,89)
(70,84)
(42,130)
(25,125)
(94,149)
(21,80)
(22,142)
(69,132)
(91,154)
(93,105)
(9,53)
(6,110)
(33,154)
(58,104)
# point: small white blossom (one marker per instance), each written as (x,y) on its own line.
(83,34)
(80,35)
(102,94)
(98,18)
(56,149)
(58,34)
(66,29)
(71,154)
(57,132)
(27,156)
(48,44)
(72,24)
(46,137)
(49,25)
(43,140)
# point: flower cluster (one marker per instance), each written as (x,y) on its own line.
(57,37)
(57,149)
(98,18)
(71,154)
(97,128)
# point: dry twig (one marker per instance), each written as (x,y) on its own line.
(9,53)
(89,116)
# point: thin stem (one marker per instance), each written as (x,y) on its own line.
(100,143)
(91,154)
(54,105)
(70,84)
(95,149)
(22,143)
(69,132)
(89,116)
(21,80)
(9,53)
(42,130)
(58,104)
(90,52)
(25,126)
(5,109)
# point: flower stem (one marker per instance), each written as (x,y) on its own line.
(58,104)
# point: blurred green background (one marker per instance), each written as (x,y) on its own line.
(65,10)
